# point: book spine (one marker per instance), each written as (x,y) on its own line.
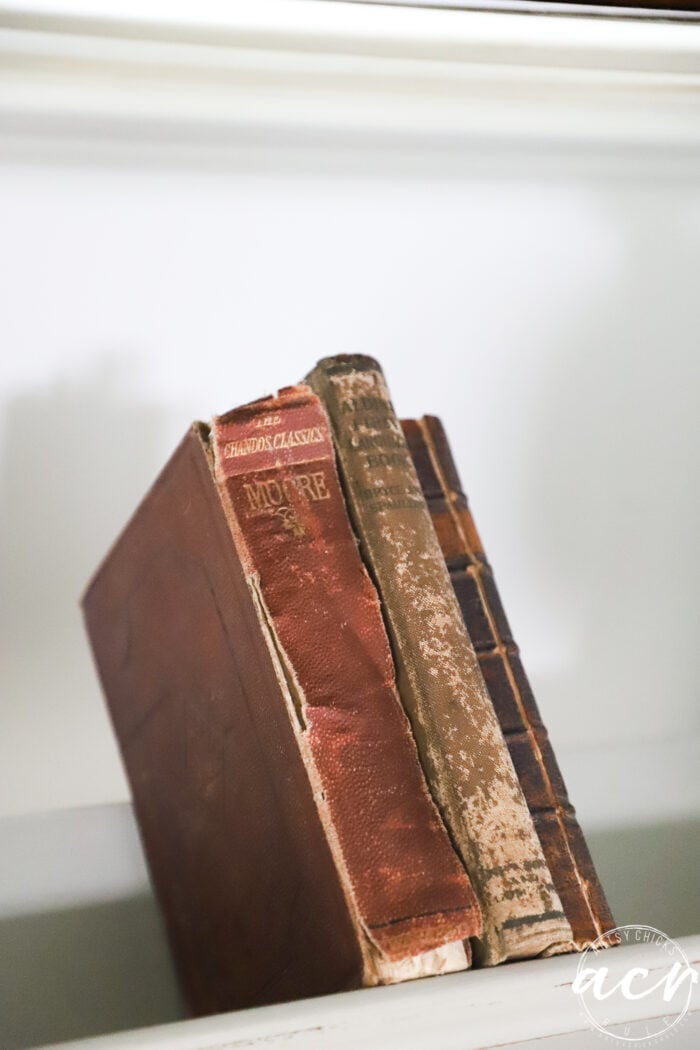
(564,846)
(441,685)
(275,467)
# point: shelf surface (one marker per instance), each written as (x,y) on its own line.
(508,1006)
(78,919)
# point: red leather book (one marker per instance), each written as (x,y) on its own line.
(290,835)
(563,844)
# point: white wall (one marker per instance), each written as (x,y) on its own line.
(536,290)
(551,322)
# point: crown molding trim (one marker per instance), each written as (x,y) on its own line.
(219,69)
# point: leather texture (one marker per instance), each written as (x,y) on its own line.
(238,855)
(254,905)
(275,462)
(554,817)
(460,742)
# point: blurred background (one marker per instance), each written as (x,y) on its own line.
(194,209)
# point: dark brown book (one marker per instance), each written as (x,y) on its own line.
(441,686)
(554,817)
(289,832)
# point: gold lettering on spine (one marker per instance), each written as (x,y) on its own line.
(272,442)
(319,483)
(271,493)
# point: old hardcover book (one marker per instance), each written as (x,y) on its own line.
(290,835)
(467,764)
(564,846)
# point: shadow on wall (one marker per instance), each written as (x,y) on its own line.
(650,874)
(77,455)
(86,971)
(611,467)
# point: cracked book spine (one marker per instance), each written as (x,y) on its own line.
(564,846)
(466,761)
(291,841)
(407,890)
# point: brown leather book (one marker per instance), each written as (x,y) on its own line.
(564,846)
(467,764)
(289,831)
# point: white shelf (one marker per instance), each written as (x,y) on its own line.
(505,1007)
(79,921)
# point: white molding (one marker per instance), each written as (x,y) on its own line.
(429,34)
(554,7)
(221,69)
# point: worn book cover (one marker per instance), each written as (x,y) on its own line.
(441,685)
(290,836)
(564,846)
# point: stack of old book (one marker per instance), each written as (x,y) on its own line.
(338,767)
